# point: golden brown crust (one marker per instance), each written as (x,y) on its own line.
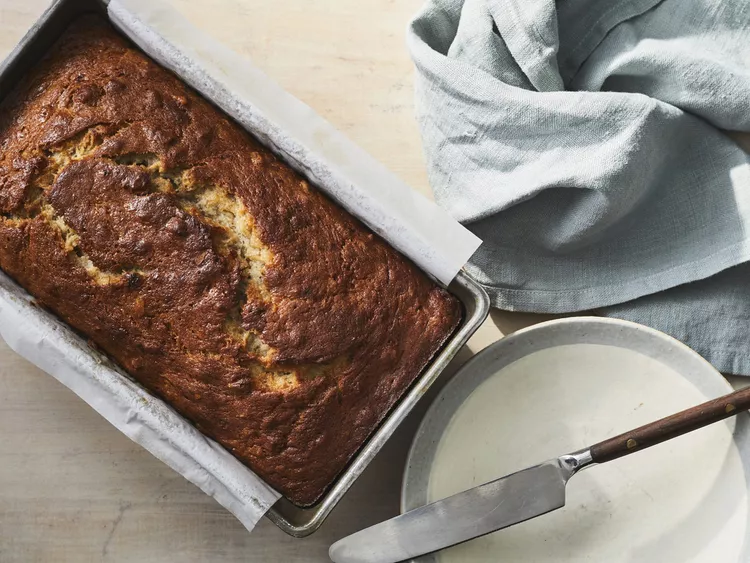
(208,269)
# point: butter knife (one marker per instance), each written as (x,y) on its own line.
(516,497)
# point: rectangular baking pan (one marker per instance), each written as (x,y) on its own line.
(295,521)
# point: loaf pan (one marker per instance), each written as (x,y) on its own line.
(295,521)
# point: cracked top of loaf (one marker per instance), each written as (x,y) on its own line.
(208,269)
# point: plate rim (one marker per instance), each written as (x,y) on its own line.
(458,381)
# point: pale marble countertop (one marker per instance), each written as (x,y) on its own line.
(72,488)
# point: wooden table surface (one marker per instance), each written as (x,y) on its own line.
(72,488)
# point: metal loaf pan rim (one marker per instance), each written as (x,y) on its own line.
(295,521)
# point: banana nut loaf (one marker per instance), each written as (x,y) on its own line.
(208,269)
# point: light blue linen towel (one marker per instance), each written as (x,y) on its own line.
(582,140)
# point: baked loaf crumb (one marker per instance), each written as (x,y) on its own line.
(208,269)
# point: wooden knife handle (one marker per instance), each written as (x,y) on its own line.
(671,426)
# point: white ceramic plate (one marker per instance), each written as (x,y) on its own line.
(563,385)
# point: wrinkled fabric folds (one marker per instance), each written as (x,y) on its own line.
(584,141)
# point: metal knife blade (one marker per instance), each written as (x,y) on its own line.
(461,517)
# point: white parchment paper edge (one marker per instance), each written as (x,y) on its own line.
(410,222)
(53,347)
